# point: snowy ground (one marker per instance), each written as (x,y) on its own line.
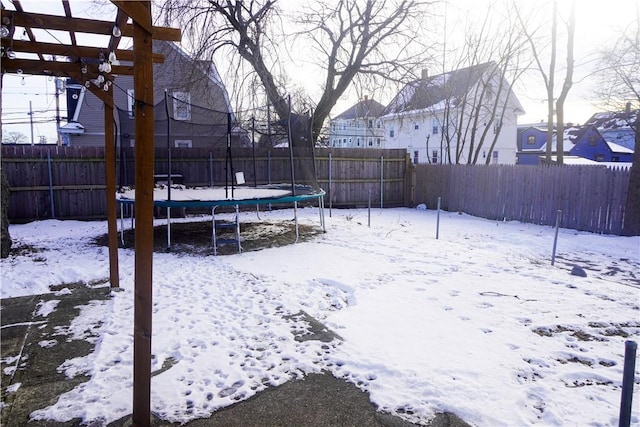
(477,322)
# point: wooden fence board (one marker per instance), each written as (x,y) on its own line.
(590,198)
(78,175)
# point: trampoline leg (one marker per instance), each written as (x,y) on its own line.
(168,228)
(122,223)
(295,218)
(321,209)
(238,228)
(213,231)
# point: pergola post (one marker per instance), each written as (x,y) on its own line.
(144,150)
(110,170)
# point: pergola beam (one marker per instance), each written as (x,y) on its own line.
(82,25)
(57,68)
(88,53)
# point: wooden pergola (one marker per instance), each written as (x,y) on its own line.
(88,65)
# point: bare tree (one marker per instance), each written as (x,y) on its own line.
(351,38)
(474,106)
(568,82)
(620,88)
(537,49)
(14,138)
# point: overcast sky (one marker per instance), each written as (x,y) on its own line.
(598,25)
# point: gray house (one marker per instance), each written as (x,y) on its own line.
(199,107)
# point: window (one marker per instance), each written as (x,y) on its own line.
(434,126)
(592,139)
(182,106)
(615,158)
(415,157)
(391,133)
(370,123)
(183,143)
(416,126)
(494,157)
(434,156)
(489,91)
(358,142)
(378,142)
(497,124)
(349,142)
(132,143)
(378,124)
(599,157)
(131,102)
(370,142)
(531,140)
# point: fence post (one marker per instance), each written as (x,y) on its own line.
(210,169)
(330,187)
(53,206)
(627,383)
(555,239)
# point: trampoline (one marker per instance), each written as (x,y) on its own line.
(178,196)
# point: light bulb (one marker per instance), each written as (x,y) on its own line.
(112,57)
(105,87)
(87,84)
(106,67)
(116,31)
(19,71)
(22,82)
(11,54)
(4,31)
(100,79)
(84,69)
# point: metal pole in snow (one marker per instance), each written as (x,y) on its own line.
(630,348)
(438,220)
(369,210)
(381,181)
(555,239)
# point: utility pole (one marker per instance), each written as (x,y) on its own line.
(59,88)
(31,121)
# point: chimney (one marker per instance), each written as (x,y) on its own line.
(425,74)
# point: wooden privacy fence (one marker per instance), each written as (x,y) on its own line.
(69,182)
(590,198)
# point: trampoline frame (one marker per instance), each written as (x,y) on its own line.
(297,194)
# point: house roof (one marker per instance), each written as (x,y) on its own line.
(429,92)
(571,135)
(364,108)
(614,119)
(616,148)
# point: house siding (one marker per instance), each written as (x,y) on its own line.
(176,74)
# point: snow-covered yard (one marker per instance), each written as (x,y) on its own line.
(477,322)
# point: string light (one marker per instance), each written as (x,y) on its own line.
(116,31)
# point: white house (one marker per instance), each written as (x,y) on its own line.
(358,127)
(463,116)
